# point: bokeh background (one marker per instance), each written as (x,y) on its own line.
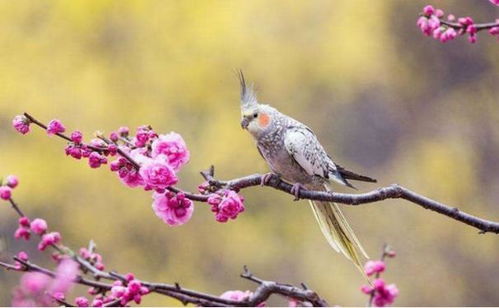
(385,101)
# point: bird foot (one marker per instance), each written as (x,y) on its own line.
(265,179)
(295,190)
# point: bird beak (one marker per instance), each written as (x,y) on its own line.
(244,123)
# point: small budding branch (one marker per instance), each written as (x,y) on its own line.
(432,22)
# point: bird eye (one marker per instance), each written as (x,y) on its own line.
(255,115)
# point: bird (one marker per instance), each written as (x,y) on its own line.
(294,153)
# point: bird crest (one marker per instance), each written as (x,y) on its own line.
(248,95)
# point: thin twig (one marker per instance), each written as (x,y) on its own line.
(16,207)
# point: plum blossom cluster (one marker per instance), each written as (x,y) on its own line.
(226,204)
(380,293)
(147,160)
(128,291)
(6,187)
(433,22)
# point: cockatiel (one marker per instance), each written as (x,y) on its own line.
(293,152)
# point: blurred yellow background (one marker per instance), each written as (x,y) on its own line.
(385,101)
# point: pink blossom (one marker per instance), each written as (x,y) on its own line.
(118,291)
(114,137)
(428,10)
(112,149)
(12,181)
(465,21)
(423,24)
(84,253)
(95,160)
(5,192)
(21,124)
(100,266)
(383,294)
(471,29)
(141,136)
(173,146)
(157,173)
(24,222)
(293,302)
(374,267)
(39,226)
(38,289)
(123,131)
(204,187)
(22,232)
(433,22)
(55,127)
(116,165)
(48,239)
(23,256)
(437,33)
(496,2)
(472,38)
(59,296)
(74,151)
(76,137)
(494,30)
(448,35)
(66,273)
(34,283)
(428,24)
(81,301)
(97,303)
(129,276)
(227,205)
(130,177)
(173,209)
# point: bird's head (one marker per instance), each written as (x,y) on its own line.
(255,117)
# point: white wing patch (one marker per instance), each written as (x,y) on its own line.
(304,147)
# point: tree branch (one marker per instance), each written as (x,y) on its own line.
(267,288)
(394,191)
(186,296)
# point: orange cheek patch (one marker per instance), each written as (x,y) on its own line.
(263,119)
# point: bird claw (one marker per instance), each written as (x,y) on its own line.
(265,179)
(295,190)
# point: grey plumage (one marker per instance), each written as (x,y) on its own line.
(292,151)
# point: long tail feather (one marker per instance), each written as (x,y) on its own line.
(337,231)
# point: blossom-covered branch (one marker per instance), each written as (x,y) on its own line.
(42,286)
(148,166)
(433,23)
